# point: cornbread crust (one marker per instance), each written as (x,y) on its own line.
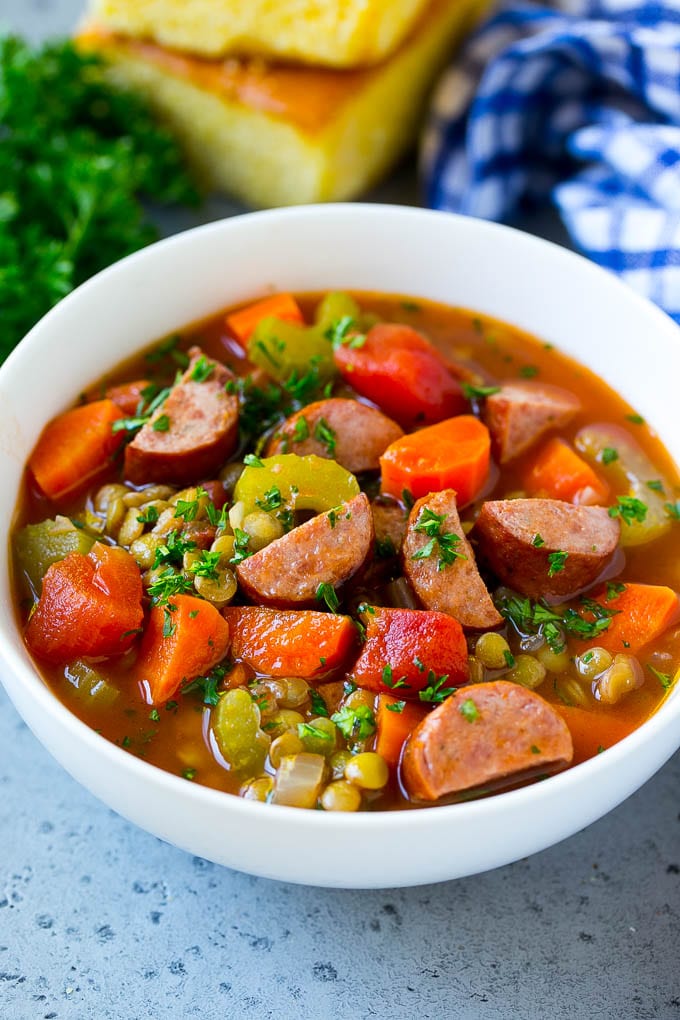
(274,136)
(336,33)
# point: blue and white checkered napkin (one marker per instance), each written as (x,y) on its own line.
(580,104)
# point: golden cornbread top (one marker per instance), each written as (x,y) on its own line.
(336,33)
(308,97)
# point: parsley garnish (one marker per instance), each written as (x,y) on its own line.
(664,678)
(189,774)
(250,460)
(319,706)
(326,593)
(529,618)
(389,681)
(168,584)
(306,729)
(673,510)
(396,706)
(207,565)
(469,710)
(609,455)
(338,334)
(241,550)
(326,435)
(77,155)
(435,691)
(635,419)
(472,392)
(509,658)
(528,371)
(355,723)
(161,424)
(537,541)
(629,509)
(187,509)
(271,500)
(556,562)
(407,498)
(445,542)
(202,369)
(206,686)
(656,485)
(169,627)
(300,430)
(173,549)
(148,516)
(154,715)
(614,588)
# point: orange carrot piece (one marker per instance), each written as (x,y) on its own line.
(454,454)
(395,726)
(128,396)
(180,644)
(90,605)
(281,306)
(289,642)
(558,472)
(74,447)
(643,613)
(592,732)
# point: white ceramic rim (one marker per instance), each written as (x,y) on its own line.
(19,669)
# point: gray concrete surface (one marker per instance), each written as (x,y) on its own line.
(99,920)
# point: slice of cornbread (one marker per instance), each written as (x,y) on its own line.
(276,135)
(340,33)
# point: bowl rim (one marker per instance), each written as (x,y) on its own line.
(21,667)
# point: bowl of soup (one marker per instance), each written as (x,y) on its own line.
(343,542)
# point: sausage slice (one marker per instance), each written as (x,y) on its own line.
(523,411)
(544,547)
(328,549)
(191,435)
(482,734)
(455,588)
(353,434)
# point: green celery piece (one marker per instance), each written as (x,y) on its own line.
(38,546)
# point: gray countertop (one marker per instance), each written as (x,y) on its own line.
(98,919)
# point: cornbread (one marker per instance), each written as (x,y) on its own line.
(338,33)
(275,135)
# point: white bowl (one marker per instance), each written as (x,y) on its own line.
(535,285)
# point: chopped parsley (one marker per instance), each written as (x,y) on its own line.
(326,593)
(319,706)
(300,430)
(169,627)
(206,686)
(339,334)
(202,369)
(529,618)
(189,774)
(435,692)
(635,419)
(396,706)
(161,424)
(326,435)
(206,566)
(187,509)
(509,658)
(241,550)
(407,498)
(469,710)
(534,749)
(389,681)
(167,584)
(629,509)
(148,516)
(556,562)
(172,549)
(477,392)
(154,715)
(537,541)
(673,510)
(250,460)
(306,729)
(271,500)
(656,485)
(614,588)
(355,723)
(528,371)
(609,455)
(444,542)
(664,678)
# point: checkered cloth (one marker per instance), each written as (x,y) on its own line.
(579,104)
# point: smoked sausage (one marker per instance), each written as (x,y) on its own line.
(353,434)
(482,734)
(544,547)
(522,412)
(193,432)
(449,587)
(328,549)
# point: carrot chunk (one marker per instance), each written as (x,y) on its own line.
(403,373)
(180,644)
(643,613)
(592,733)
(90,605)
(558,472)
(409,651)
(396,720)
(279,306)
(454,454)
(289,642)
(75,447)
